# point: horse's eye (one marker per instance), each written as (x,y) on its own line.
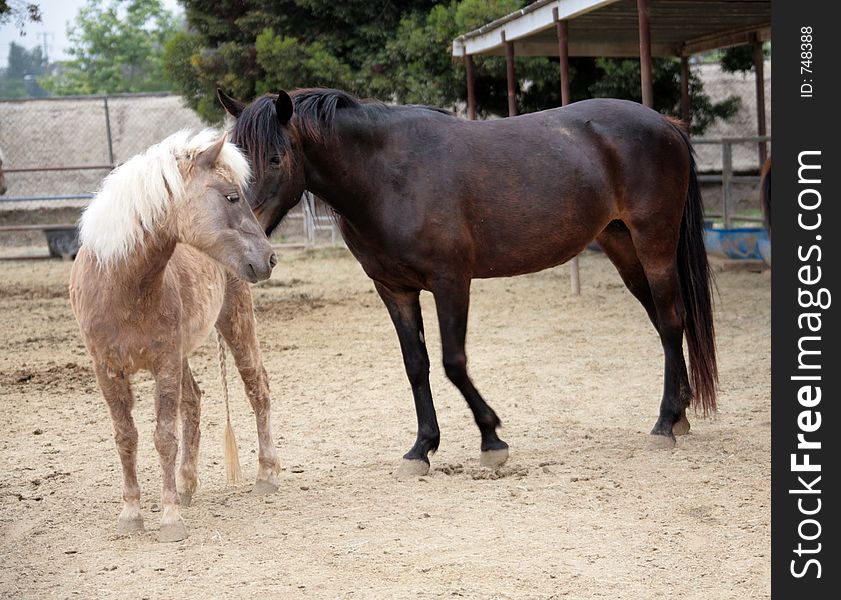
(274,161)
(233,197)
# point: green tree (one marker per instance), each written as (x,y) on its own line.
(395,51)
(19,11)
(18,79)
(116,48)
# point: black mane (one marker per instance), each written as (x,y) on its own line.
(258,132)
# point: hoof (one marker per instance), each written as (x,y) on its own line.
(186,498)
(412,468)
(130,526)
(172,532)
(661,442)
(263,487)
(681,427)
(492,459)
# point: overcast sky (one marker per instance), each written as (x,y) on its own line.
(56,14)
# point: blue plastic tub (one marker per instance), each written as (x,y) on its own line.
(741,243)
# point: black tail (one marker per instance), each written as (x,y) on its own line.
(695,282)
(765,194)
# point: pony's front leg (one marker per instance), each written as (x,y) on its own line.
(190,410)
(117,392)
(168,377)
(238,328)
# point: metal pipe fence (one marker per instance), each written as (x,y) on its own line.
(728,179)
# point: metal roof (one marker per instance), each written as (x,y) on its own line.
(611,28)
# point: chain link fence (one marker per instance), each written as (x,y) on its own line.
(57,150)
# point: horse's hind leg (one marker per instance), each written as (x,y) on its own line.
(236,324)
(617,244)
(190,411)
(117,392)
(405,311)
(451,301)
(168,377)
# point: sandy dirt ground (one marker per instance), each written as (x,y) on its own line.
(583,509)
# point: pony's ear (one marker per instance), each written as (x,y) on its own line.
(208,157)
(283,107)
(233,107)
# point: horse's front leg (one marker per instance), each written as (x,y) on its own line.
(168,377)
(404,308)
(117,392)
(452,298)
(237,325)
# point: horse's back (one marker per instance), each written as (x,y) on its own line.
(534,190)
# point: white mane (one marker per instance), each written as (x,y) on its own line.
(136,195)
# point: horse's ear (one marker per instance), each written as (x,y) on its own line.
(208,157)
(233,107)
(283,107)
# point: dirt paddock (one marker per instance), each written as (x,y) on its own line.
(583,509)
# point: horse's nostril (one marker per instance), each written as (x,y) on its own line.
(272,260)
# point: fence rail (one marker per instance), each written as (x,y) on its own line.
(727,178)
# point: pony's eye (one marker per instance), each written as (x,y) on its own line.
(233,197)
(274,161)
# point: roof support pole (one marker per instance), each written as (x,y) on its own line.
(512,81)
(562,28)
(759,70)
(563,53)
(471,87)
(685,103)
(644,12)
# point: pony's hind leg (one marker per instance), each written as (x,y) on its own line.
(190,411)
(168,377)
(615,240)
(117,392)
(405,311)
(452,298)
(237,325)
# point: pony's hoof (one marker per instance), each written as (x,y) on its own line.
(186,498)
(658,441)
(172,532)
(263,487)
(493,459)
(412,468)
(681,427)
(130,525)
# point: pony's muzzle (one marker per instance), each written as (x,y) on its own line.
(261,270)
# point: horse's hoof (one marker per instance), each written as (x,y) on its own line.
(681,427)
(657,441)
(493,459)
(263,487)
(130,526)
(412,468)
(172,532)
(186,498)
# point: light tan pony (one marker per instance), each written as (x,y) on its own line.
(168,244)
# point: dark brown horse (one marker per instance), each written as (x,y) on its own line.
(2,175)
(428,201)
(765,194)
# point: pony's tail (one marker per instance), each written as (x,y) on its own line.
(695,281)
(231,451)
